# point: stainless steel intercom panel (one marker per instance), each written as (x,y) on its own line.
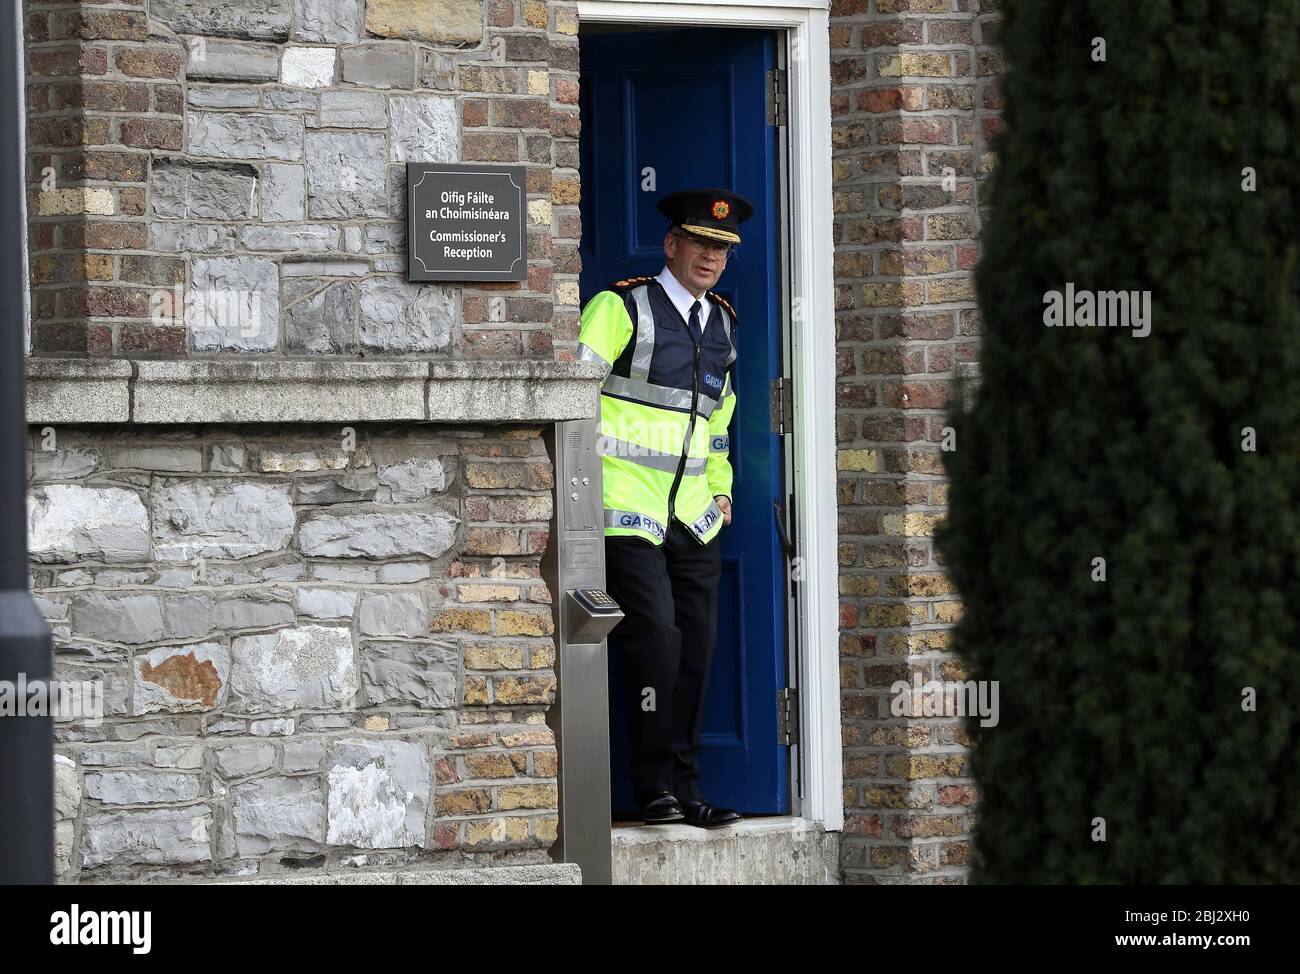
(574,568)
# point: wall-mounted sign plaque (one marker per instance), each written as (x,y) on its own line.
(465,222)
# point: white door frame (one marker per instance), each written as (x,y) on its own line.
(812,369)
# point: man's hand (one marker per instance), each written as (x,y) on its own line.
(724,505)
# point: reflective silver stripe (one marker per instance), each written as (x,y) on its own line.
(645,334)
(719,444)
(648,393)
(726,322)
(706,520)
(631,519)
(588,354)
(611,446)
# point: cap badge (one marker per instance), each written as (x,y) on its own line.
(720,209)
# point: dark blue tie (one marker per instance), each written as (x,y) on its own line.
(695,322)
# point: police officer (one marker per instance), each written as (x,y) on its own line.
(668,346)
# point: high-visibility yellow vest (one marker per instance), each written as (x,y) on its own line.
(665,406)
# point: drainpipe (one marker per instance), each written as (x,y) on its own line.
(26,743)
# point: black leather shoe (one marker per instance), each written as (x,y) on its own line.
(707,816)
(664,807)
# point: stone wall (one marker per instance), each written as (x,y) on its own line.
(316,652)
(318,648)
(914,101)
(211,177)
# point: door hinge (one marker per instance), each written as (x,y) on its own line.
(787,716)
(782,405)
(776,97)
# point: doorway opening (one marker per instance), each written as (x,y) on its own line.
(669,108)
(800,254)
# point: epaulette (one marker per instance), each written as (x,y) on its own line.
(629,282)
(726,304)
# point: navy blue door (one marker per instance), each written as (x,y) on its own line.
(668,110)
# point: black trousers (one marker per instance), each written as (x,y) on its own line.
(669,597)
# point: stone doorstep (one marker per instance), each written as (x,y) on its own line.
(636,834)
(764,850)
(64,391)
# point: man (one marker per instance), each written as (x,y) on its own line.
(668,346)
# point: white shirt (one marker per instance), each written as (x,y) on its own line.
(682,299)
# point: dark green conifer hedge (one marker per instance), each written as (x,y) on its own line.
(1122,699)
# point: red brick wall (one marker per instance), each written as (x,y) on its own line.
(914,100)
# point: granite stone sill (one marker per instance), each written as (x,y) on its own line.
(63,391)
(551,874)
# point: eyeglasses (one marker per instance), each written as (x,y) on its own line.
(725,250)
